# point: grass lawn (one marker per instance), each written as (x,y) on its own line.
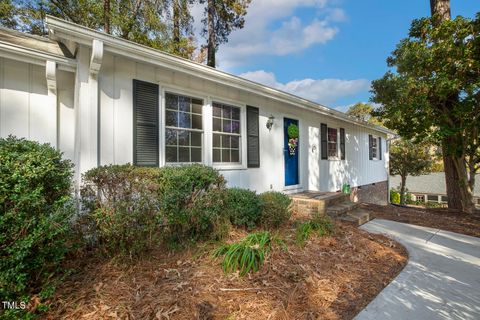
(440,218)
(331,277)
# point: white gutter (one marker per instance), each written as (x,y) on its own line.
(64,30)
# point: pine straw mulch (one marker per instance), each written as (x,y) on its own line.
(333,277)
(440,218)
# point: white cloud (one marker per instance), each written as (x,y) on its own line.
(271,28)
(324,91)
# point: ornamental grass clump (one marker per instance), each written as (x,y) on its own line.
(247,255)
(321,226)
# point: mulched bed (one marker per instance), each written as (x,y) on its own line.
(440,218)
(333,277)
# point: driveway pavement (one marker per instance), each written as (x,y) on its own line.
(440,281)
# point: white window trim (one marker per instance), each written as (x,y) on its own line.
(243,137)
(162,145)
(376,158)
(337,157)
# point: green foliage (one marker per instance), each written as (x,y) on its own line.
(246,255)
(122,208)
(394,196)
(276,209)
(321,225)
(191,200)
(35,213)
(363,112)
(292,131)
(243,207)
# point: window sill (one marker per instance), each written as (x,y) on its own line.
(224,167)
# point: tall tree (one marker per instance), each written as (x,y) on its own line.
(441,8)
(221,18)
(182,30)
(408,158)
(363,112)
(435,95)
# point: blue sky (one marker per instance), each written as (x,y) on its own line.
(327,51)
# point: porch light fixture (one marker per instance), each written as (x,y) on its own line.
(270,122)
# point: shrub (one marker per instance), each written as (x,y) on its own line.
(243,207)
(191,200)
(122,208)
(246,255)
(35,211)
(276,209)
(321,225)
(394,196)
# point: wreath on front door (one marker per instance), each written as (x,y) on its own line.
(292,131)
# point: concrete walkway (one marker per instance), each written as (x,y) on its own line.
(440,281)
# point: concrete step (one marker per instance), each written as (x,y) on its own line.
(341,208)
(359,215)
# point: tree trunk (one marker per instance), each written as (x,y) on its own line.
(211,34)
(176,24)
(460,196)
(402,190)
(106,16)
(441,8)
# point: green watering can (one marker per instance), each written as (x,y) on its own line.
(346,188)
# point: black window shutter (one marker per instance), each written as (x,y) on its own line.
(323,140)
(342,143)
(370,151)
(253,138)
(145,124)
(379,148)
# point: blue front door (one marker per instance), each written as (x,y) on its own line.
(291,160)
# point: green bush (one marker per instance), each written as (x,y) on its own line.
(246,255)
(35,212)
(122,208)
(191,200)
(394,196)
(276,209)
(321,225)
(243,207)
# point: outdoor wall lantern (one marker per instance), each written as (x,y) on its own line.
(270,122)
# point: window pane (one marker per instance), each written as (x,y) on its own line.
(235,126)
(225,141)
(235,113)
(217,125)
(196,139)
(171,119)
(183,154)
(235,156)
(217,110)
(235,141)
(171,154)
(227,112)
(184,120)
(171,137)
(171,101)
(216,141)
(196,155)
(196,122)
(197,106)
(227,125)
(225,155)
(216,155)
(183,138)
(184,104)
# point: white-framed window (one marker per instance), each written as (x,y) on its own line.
(420,198)
(183,128)
(375,148)
(332,143)
(226,133)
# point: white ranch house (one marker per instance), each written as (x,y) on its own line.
(103,100)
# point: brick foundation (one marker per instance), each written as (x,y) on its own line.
(307,208)
(376,193)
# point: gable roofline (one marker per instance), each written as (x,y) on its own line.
(64,30)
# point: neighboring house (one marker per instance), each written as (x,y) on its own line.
(431,187)
(104,100)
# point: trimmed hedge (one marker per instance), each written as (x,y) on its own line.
(35,212)
(275,209)
(243,207)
